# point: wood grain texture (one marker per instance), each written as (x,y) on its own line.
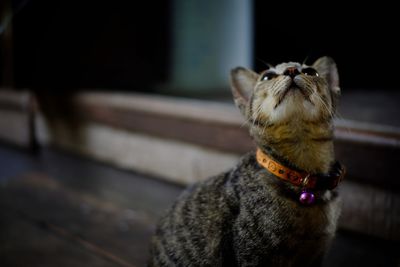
(81,220)
(218,135)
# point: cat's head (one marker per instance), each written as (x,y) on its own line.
(287,94)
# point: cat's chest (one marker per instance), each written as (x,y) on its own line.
(271,224)
(310,223)
(285,218)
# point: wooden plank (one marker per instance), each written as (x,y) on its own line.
(176,107)
(21,100)
(15,127)
(221,136)
(173,160)
(26,243)
(369,210)
(370,163)
(350,249)
(220,113)
(17,117)
(100,228)
(367,132)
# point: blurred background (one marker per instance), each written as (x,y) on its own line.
(118,45)
(108,109)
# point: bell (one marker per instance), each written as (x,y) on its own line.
(306,197)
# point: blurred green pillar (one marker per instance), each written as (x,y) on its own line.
(209,39)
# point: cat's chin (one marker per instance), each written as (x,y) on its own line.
(292,91)
(294,105)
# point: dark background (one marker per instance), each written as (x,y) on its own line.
(126,45)
(362,38)
(88,44)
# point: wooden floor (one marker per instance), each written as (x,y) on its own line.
(62,210)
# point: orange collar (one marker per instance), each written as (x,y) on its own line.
(303,179)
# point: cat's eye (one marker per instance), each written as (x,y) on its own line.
(310,71)
(268,75)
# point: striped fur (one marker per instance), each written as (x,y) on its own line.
(246,216)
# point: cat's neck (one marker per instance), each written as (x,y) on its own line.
(310,156)
(311,151)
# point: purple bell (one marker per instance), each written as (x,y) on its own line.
(306,197)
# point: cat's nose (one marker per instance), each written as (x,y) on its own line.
(291,71)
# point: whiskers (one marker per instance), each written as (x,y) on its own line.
(264,125)
(256,114)
(326,108)
(343,125)
(265,63)
(304,61)
(254,120)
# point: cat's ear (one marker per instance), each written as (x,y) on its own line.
(326,67)
(243,82)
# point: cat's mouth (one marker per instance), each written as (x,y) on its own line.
(291,87)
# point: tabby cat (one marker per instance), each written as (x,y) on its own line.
(249,216)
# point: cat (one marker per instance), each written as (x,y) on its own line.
(249,215)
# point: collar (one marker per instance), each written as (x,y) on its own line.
(305,180)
